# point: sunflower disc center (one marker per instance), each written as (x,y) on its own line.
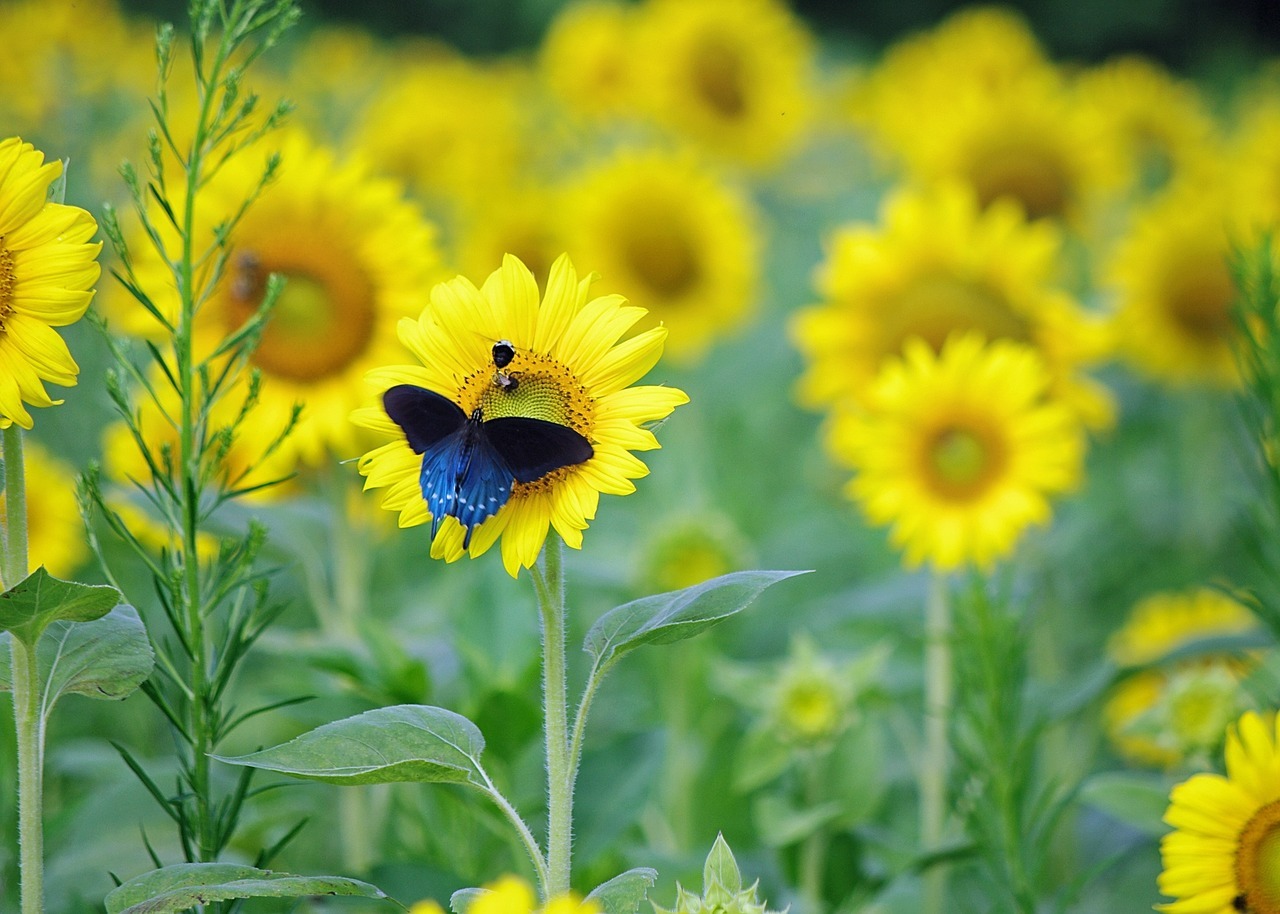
(322,321)
(934,307)
(1034,177)
(1199,298)
(961,462)
(717,76)
(8,279)
(1258,861)
(662,257)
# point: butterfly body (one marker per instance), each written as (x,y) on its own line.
(469,464)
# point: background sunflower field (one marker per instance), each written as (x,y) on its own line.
(953,293)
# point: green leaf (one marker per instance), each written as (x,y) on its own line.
(107,658)
(40,599)
(780,824)
(1135,798)
(721,869)
(411,743)
(674,616)
(624,893)
(185,885)
(463,899)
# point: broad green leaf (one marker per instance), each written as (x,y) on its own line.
(183,886)
(107,658)
(40,599)
(463,899)
(1135,798)
(666,617)
(624,893)
(780,824)
(414,743)
(721,868)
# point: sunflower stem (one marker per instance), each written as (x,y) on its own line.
(548,581)
(937,712)
(28,721)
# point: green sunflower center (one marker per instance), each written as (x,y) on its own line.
(8,279)
(718,76)
(935,306)
(662,256)
(811,709)
(322,321)
(1031,173)
(1258,861)
(1202,700)
(1198,294)
(961,462)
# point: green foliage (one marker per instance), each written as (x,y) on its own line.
(185,886)
(722,891)
(624,893)
(35,602)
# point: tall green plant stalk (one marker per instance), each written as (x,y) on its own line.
(937,718)
(28,722)
(548,581)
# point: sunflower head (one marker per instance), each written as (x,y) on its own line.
(562,363)
(959,450)
(586,57)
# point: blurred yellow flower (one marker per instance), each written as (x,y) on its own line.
(570,369)
(1255,152)
(48,268)
(525,219)
(586,58)
(674,238)
(512,895)
(811,700)
(55,532)
(1164,716)
(356,257)
(732,75)
(690,550)
(960,450)
(1221,857)
(1173,286)
(936,265)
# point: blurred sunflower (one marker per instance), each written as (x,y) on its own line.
(55,533)
(936,265)
(1164,716)
(48,268)
(731,75)
(571,371)
(356,258)
(411,127)
(673,238)
(1221,857)
(1160,124)
(1255,152)
(692,549)
(959,450)
(525,219)
(1173,286)
(586,58)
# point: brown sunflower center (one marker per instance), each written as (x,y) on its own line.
(662,257)
(1198,294)
(1031,174)
(934,307)
(960,462)
(8,279)
(1258,861)
(322,322)
(718,76)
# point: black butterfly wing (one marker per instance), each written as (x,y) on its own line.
(426,417)
(532,448)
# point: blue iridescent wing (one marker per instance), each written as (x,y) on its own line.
(463,476)
(425,416)
(532,448)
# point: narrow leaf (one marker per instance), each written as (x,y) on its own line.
(107,658)
(39,599)
(674,616)
(413,743)
(624,893)
(185,885)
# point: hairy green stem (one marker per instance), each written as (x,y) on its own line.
(28,721)
(526,837)
(548,581)
(937,713)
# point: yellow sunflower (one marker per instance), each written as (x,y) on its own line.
(571,372)
(47,270)
(1163,716)
(936,265)
(1173,286)
(960,450)
(1223,856)
(672,237)
(1160,123)
(586,57)
(732,75)
(524,219)
(1255,151)
(356,256)
(55,533)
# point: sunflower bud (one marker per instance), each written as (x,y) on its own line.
(722,891)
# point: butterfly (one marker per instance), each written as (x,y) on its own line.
(469,463)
